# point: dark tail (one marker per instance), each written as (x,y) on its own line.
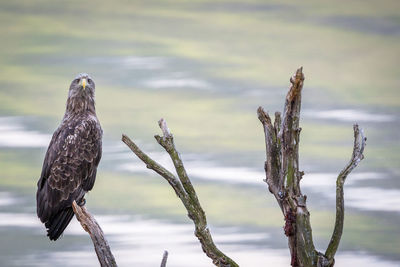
(57,224)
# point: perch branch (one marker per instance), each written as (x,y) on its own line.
(164,259)
(185,191)
(357,156)
(90,225)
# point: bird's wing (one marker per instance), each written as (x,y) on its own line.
(70,166)
(51,153)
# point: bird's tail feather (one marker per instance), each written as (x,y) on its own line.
(57,224)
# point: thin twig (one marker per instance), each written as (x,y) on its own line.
(357,156)
(90,225)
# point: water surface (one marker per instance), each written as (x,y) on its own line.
(205,67)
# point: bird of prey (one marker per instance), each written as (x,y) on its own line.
(70,165)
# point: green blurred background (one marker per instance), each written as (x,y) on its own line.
(204,66)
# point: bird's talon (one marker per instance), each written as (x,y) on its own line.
(82,202)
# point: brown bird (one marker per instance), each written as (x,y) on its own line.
(70,165)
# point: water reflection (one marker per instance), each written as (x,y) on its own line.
(242,56)
(323,184)
(7,199)
(139,241)
(350,115)
(176,82)
(14,134)
(132,62)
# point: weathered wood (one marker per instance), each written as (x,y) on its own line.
(90,225)
(357,156)
(164,259)
(185,191)
(153,165)
(283,178)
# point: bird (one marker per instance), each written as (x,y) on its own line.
(71,161)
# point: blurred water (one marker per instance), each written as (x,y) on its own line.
(349,115)
(205,67)
(139,241)
(13,133)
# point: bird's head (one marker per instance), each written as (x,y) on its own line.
(81,94)
(82,86)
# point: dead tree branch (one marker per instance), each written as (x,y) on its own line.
(357,156)
(164,259)
(90,225)
(184,190)
(283,178)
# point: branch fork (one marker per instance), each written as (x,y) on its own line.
(184,190)
(283,178)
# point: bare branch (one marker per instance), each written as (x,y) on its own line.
(90,225)
(151,164)
(290,133)
(357,156)
(164,259)
(163,125)
(185,191)
(272,164)
(167,142)
(283,175)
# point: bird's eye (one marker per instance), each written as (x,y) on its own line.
(89,81)
(76,81)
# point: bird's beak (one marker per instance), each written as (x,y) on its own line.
(83,83)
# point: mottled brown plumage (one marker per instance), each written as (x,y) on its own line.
(70,165)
